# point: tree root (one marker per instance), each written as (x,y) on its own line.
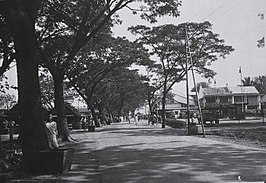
(67,138)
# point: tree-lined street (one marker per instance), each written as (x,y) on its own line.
(67,50)
(140,153)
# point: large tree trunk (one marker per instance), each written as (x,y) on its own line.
(120,107)
(93,113)
(32,127)
(1,144)
(101,112)
(163,103)
(60,106)
(163,112)
(150,106)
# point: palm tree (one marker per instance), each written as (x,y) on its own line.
(248,81)
(260,84)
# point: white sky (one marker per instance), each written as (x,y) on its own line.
(236,21)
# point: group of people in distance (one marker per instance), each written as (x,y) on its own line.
(154,119)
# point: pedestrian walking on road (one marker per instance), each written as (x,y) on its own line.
(136,119)
(154,119)
(128,119)
(149,119)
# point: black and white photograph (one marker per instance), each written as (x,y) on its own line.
(133,91)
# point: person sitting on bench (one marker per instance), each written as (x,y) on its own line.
(51,131)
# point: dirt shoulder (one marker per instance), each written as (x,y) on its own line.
(248,134)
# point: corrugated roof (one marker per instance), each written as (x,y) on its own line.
(216,91)
(229,90)
(183,100)
(243,89)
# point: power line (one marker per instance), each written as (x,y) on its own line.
(190,36)
(226,11)
(214,11)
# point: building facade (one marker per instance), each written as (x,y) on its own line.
(177,106)
(230,101)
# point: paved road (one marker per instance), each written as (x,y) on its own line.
(129,153)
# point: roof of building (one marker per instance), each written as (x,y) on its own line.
(216,91)
(219,91)
(244,89)
(183,99)
(70,110)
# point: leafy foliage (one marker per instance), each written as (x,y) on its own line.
(6,46)
(47,89)
(7,55)
(124,91)
(98,61)
(169,43)
(259,82)
(68,25)
(159,8)
(65,27)
(7,101)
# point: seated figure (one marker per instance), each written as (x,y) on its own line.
(194,119)
(52,133)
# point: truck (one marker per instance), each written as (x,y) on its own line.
(211,115)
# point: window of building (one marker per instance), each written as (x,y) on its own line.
(210,100)
(223,99)
(238,99)
(252,100)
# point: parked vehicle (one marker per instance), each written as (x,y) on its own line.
(211,115)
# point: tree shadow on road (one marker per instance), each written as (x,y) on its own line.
(194,163)
(173,160)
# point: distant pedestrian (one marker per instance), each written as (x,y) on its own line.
(150,119)
(83,122)
(139,117)
(159,119)
(128,119)
(52,133)
(136,119)
(154,119)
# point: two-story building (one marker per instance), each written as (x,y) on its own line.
(230,101)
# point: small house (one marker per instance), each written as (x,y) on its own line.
(72,114)
(13,113)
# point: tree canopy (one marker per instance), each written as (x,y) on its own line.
(170,43)
(258,81)
(68,24)
(96,62)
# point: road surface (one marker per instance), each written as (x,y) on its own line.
(129,153)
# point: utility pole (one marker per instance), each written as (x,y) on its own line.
(187,87)
(242,95)
(195,85)
(198,101)
(241,84)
